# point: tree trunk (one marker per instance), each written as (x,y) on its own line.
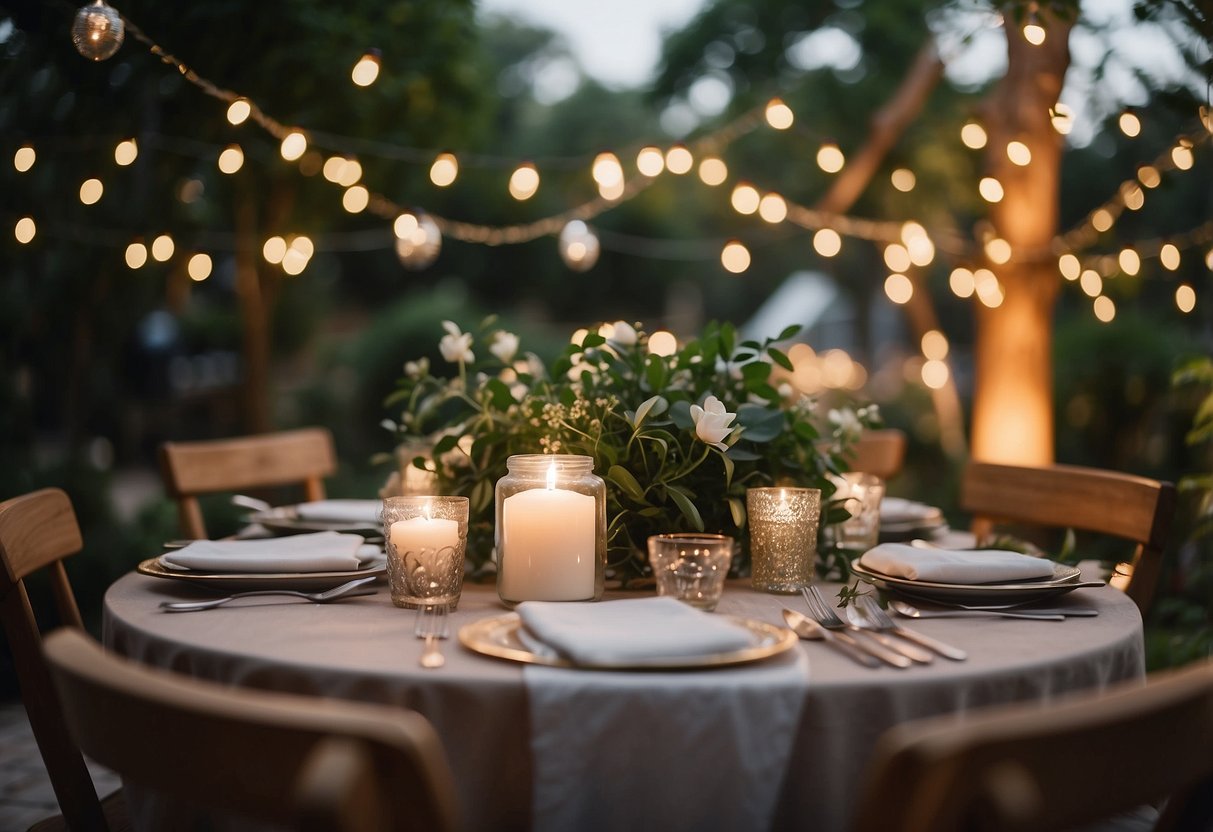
(1013,395)
(254,318)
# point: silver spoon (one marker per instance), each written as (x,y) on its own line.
(902,608)
(351,588)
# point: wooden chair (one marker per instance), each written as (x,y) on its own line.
(293,457)
(251,754)
(37,531)
(1051,766)
(1071,497)
(880,452)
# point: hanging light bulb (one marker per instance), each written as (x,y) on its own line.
(779,115)
(91,191)
(97,31)
(962,282)
(1130,124)
(1069,266)
(25,229)
(1062,119)
(773,208)
(136,255)
(366,70)
(830,158)
(238,111)
(827,242)
(1185,298)
(735,257)
(1168,255)
(24,158)
(274,250)
(1019,153)
(973,135)
(679,160)
(444,170)
(1033,32)
(898,288)
(126,152)
(231,159)
(355,199)
(578,245)
(199,267)
(294,144)
(524,182)
(990,189)
(607,171)
(1129,261)
(713,171)
(650,161)
(163,248)
(903,179)
(418,239)
(745,198)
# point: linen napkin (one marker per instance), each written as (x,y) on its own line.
(618,632)
(318,552)
(898,510)
(954,566)
(610,749)
(341,511)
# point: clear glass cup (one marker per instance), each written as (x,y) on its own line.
(691,567)
(861,494)
(551,529)
(426,543)
(783,537)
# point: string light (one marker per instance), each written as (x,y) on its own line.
(199,267)
(962,282)
(294,145)
(745,198)
(990,189)
(1019,154)
(1069,266)
(973,135)
(773,208)
(1104,308)
(91,191)
(1132,196)
(713,171)
(444,170)
(1091,283)
(25,230)
(97,31)
(1209,259)
(1168,255)
(1129,261)
(779,115)
(136,255)
(650,161)
(608,173)
(898,288)
(366,70)
(1149,176)
(935,374)
(1102,219)
(238,111)
(998,250)
(274,250)
(578,246)
(126,152)
(298,254)
(934,345)
(827,242)
(24,158)
(663,343)
(903,179)
(897,258)
(1129,124)
(1185,298)
(988,288)
(163,248)
(830,158)
(355,199)
(1062,119)
(679,160)
(524,182)
(231,159)
(1181,155)
(418,240)
(1034,33)
(735,257)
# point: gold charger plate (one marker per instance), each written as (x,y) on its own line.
(497,636)
(237,581)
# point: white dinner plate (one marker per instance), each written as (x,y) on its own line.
(497,636)
(286,520)
(239,581)
(901,519)
(1065,578)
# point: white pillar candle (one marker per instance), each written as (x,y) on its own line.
(548,545)
(418,533)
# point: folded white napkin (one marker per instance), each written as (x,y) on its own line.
(901,510)
(341,511)
(954,566)
(319,552)
(618,632)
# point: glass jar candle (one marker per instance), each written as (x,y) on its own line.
(551,529)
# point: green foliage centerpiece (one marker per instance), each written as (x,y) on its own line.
(678,431)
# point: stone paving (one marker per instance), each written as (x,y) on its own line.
(25,788)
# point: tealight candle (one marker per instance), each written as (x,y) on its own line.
(551,522)
(425,539)
(783,536)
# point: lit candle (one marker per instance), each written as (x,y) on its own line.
(548,544)
(419,534)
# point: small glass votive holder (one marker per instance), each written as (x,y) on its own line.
(691,566)
(426,540)
(861,494)
(783,537)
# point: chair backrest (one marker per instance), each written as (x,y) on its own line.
(37,531)
(241,752)
(880,452)
(1133,508)
(1050,766)
(302,457)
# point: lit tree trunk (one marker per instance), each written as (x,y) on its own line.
(1013,395)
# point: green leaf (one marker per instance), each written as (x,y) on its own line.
(739,454)
(445,444)
(655,405)
(762,424)
(623,478)
(592,339)
(788,332)
(655,372)
(682,499)
(780,358)
(500,394)
(728,338)
(755,372)
(680,415)
(737,509)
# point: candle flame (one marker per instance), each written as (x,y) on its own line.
(552,475)
(429,510)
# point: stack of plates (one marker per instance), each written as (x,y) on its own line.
(1064,579)
(902,519)
(356,516)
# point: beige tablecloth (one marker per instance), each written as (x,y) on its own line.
(364,649)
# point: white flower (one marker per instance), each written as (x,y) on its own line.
(505,346)
(845,422)
(418,368)
(624,334)
(712,422)
(456,346)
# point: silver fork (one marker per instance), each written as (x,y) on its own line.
(826,617)
(431,625)
(880,620)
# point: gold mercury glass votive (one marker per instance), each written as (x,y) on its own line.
(783,537)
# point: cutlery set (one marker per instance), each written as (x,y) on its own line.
(871,637)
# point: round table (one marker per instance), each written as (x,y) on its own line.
(363,648)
